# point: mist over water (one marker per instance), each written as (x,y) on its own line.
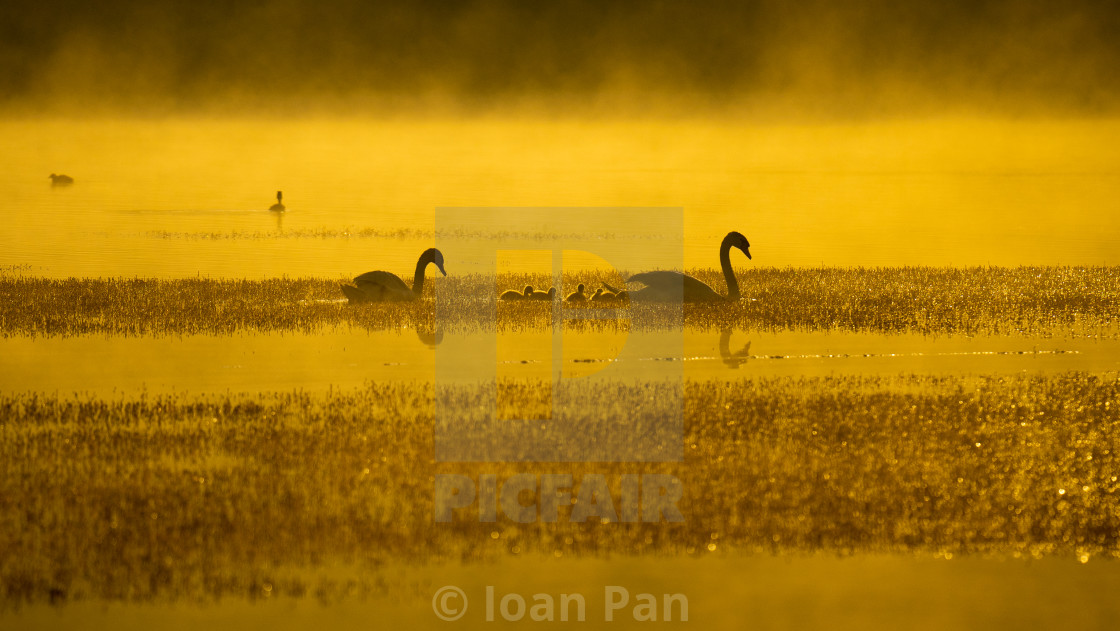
(181,198)
(764,58)
(856,133)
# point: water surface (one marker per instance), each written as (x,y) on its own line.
(344,358)
(179,198)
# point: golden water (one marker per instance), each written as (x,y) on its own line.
(186,197)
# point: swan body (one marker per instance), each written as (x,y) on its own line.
(380,286)
(279,205)
(60,180)
(518,295)
(665,286)
(577,295)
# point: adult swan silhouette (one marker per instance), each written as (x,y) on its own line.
(674,286)
(388,287)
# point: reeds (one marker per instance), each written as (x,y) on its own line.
(1083,301)
(199,496)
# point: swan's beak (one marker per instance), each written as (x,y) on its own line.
(442,271)
(747,251)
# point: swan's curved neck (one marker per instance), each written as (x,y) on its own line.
(421,265)
(728,273)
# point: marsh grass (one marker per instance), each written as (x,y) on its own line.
(1038,301)
(200,496)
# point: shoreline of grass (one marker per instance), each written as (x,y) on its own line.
(198,496)
(1035,301)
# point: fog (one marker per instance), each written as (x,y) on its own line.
(767,58)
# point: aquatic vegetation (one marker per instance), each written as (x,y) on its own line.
(1038,301)
(197,496)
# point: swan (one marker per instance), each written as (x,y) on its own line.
(279,205)
(577,295)
(60,180)
(382,286)
(517,295)
(543,295)
(675,286)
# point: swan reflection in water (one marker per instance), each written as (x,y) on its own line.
(736,359)
(428,337)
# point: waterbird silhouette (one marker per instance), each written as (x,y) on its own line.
(604,296)
(518,295)
(60,180)
(665,286)
(577,295)
(279,205)
(543,295)
(379,286)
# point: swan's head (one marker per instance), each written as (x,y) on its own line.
(528,290)
(737,240)
(598,292)
(551,292)
(437,258)
(579,288)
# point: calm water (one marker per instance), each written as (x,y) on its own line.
(345,359)
(811,592)
(187,197)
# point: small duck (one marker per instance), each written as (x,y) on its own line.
(611,293)
(279,205)
(60,180)
(577,295)
(518,295)
(603,296)
(543,295)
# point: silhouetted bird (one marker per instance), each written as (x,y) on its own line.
(60,180)
(604,296)
(543,295)
(278,206)
(382,286)
(577,295)
(675,286)
(518,295)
